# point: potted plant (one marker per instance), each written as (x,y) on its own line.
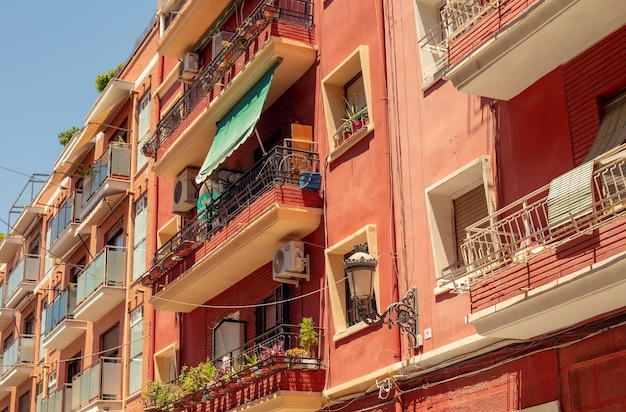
(353,116)
(161,396)
(308,335)
(270,11)
(295,356)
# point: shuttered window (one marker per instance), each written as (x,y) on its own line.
(468,209)
(355,92)
(612,132)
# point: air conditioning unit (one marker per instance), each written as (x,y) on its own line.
(218,40)
(289,263)
(185,191)
(189,67)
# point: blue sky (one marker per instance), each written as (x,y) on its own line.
(50,54)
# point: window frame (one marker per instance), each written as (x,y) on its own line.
(439,208)
(335,272)
(333,94)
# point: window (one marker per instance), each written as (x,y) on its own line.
(29,325)
(73,368)
(612,132)
(166,363)
(143,130)
(136,350)
(343,314)
(52,382)
(139,238)
(24,402)
(438,23)
(455,202)
(228,336)
(272,311)
(115,237)
(347,101)
(110,342)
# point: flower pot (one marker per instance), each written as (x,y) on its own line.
(357,125)
(270,12)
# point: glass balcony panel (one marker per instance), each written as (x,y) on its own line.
(100,382)
(107,268)
(114,163)
(27,270)
(61,308)
(19,351)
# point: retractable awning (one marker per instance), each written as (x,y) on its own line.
(236,126)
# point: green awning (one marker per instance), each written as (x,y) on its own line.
(236,126)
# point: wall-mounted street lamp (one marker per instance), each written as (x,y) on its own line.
(360,268)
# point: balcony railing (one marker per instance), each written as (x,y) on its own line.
(19,352)
(114,163)
(282,166)
(59,401)
(65,216)
(108,268)
(457,16)
(212,79)
(550,216)
(101,382)
(61,308)
(26,271)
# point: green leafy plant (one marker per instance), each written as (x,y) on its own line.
(161,396)
(193,379)
(66,136)
(103,79)
(2,236)
(83,171)
(308,335)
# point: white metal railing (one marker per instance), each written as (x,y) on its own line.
(525,228)
(456,17)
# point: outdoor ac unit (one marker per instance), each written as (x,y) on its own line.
(189,67)
(217,42)
(185,191)
(289,263)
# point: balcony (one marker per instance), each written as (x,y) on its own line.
(277,199)
(60,401)
(9,246)
(263,375)
(17,361)
(498,48)
(109,175)
(550,259)
(98,387)
(22,280)
(184,23)
(101,285)
(63,227)
(60,329)
(258,44)
(6,314)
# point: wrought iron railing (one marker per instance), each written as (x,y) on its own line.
(296,12)
(276,342)
(457,16)
(283,165)
(536,223)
